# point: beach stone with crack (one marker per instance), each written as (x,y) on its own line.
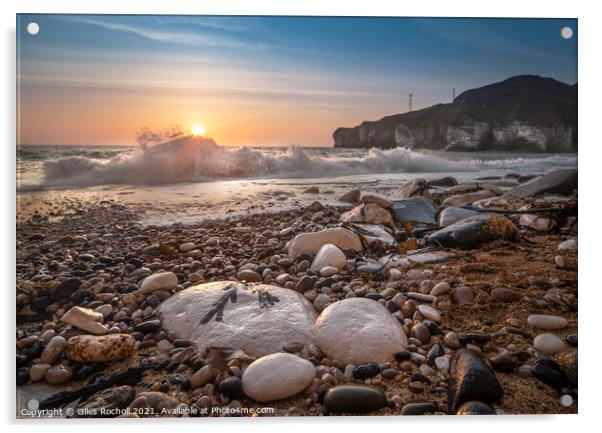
(352,398)
(329,255)
(312,242)
(86,320)
(547,322)
(159,281)
(258,328)
(370,213)
(549,344)
(357,331)
(471,379)
(277,376)
(106,348)
(451,215)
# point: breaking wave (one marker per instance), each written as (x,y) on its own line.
(193,159)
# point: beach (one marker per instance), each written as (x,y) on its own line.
(468,266)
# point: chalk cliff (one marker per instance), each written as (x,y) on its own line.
(523,113)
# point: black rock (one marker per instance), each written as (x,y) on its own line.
(373,296)
(435,352)
(148,327)
(326,282)
(419,408)
(67,287)
(22,375)
(475,408)
(35,350)
(40,303)
(354,399)
(366,371)
(392,306)
(572,339)
(304,284)
(568,362)
(444,181)
(417,209)
(305,256)
(402,356)
(84,371)
(231,386)
(503,363)
(549,372)
(469,233)
(471,379)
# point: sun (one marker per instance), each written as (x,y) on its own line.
(198,130)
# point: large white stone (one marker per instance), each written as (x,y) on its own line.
(159,281)
(258,330)
(329,255)
(370,213)
(359,330)
(547,322)
(277,376)
(311,242)
(451,215)
(548,343)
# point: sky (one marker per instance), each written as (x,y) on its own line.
(261,81)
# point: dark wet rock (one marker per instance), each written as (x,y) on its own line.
(572,339)
(22,375)
(419,408)
(304,284)
(561,182)
(67,287)
(374,296)
(471,232)
(551,373)
(503,363)
(402,356)
(40,303)
(148,327)
(567,360)
(103,403)
(435,352)
(366,371)
(475,408)
(354,399)
(471,379)
(417,209)
(231,386)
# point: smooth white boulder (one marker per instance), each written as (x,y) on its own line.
(547,322)
(311,242)
(159,281)
(329,255)
(359,330)
(277,376)
(451,215)
(570,245)
(370,213)
(258,329)
(549,344)
(536,222)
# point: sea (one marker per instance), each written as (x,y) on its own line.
(192,179)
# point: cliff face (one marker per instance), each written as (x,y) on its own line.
(524,113)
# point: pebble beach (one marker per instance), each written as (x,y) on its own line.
(431,297)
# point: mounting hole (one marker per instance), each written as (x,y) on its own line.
(566,32)
(33,28)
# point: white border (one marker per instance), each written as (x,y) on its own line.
(590,161)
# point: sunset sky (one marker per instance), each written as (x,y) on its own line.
(261,81)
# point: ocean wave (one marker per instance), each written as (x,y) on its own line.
(194,159)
